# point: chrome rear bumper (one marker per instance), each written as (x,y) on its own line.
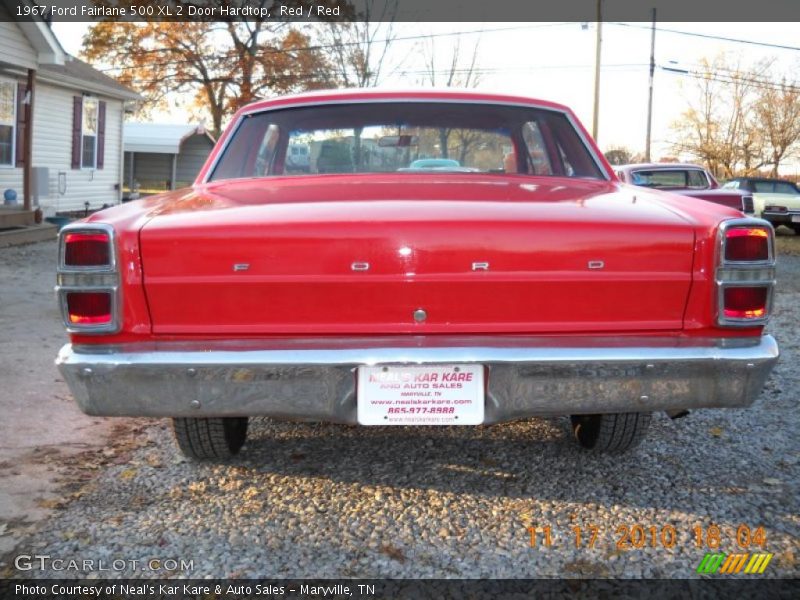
(315,379)
(783,216)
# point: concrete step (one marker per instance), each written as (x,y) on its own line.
(15,217)
(27,235)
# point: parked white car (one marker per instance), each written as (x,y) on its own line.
(775,200)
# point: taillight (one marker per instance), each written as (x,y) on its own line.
(744,244)
(745,302)
(88,279)
(745,272)
(84,249)
(89,308)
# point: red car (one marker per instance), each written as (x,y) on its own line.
(687,180)
(378,294)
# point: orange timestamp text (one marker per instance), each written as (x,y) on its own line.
(637,535)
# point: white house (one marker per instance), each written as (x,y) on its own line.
(61,125)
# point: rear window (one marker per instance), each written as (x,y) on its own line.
(671,178)
(411,137)
(774,187)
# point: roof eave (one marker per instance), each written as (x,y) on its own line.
(89,86)
(43,40)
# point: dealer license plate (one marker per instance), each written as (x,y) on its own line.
(420,395)
(795,218)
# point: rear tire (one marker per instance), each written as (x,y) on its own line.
(212,438)
(611,432)
(796,227)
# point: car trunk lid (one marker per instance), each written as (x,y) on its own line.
(336,254)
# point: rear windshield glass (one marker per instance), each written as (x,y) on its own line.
(414,138)
(671,178)
(774,187)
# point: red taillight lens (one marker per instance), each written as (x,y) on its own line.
(89,308)
(87,249)
(743,244)
(745,302)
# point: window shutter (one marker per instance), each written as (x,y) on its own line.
(22,90)
(101,133)
(77,125)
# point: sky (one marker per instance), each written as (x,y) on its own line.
(555,61)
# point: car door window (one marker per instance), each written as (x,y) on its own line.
(696,179)
(537,151)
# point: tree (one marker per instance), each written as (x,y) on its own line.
(714,124)
(778,112)
(619,155)
(222,65)
(456,73)
(357,50)
(740,120)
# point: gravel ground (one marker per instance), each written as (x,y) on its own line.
(321,500)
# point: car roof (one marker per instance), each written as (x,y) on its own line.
(385,94)
(766,179)
(654,166)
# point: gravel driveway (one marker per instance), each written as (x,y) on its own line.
(320,500)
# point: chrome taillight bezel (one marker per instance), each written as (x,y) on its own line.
(96,278)
(749,273)
(89,229)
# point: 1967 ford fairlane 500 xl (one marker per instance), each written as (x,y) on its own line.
(525,281)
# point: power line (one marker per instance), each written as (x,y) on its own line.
(765,84)
(710,36)
(315,47)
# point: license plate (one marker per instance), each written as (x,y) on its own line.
(795,218)
(420,395)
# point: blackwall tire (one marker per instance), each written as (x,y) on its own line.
(215,438)
(611,433)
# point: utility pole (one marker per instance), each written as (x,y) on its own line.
(596,115)
(650,94)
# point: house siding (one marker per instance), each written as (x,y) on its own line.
(14,46)
(52,148)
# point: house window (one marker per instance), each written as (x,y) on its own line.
(8,105)
(89,134)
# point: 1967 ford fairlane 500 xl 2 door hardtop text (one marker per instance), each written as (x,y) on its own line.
(512,277)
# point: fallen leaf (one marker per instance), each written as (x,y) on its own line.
(716,431)
(393,552)
(128,474)
(788,559)
(586,568)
